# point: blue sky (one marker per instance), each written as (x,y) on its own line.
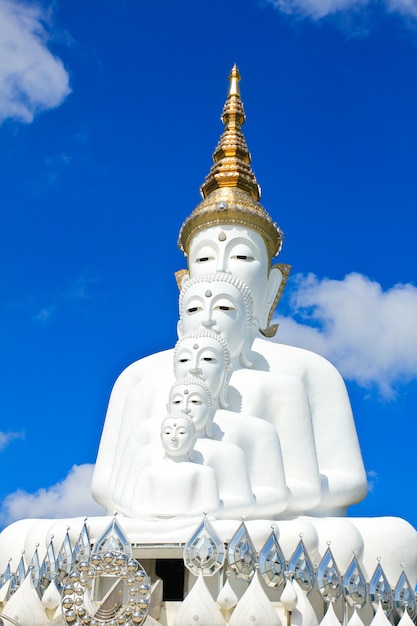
(109,115)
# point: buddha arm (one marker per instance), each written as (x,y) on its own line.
(338,451)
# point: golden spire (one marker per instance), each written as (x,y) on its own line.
(231,157)
(231,192)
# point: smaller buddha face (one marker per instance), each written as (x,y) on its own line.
(202,357)
(217,306)
(192,400)
(177,436)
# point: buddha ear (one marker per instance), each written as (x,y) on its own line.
(272,289)
(180,329)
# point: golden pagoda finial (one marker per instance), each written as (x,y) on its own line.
(231,157)
(234,78)
(231,192)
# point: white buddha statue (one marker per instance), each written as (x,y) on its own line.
(231,232)
(156,491)
(224,304)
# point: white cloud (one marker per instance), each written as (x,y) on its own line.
(6,438)
(369,334)
(406,8)
(69,498)
(32,79)
(317,9)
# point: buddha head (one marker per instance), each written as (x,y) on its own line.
(204,354)
(178,436)
(193,397)
(223,304)
(230,231)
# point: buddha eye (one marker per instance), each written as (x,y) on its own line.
(203,259)
(184,360)
(193,309)
(208,358)
(176,402)
(225,308)
(243,257)
(196,401)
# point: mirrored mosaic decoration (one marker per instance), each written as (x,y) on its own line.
(204,552)
(241,554)
(301,567)
(105,589)
(272,562)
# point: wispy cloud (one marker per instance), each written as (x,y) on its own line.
(373,480)
(32,79)
(56,166)
(318,9)
(77,290)
(369,334)
(69,498)
(80,288)
(6,438)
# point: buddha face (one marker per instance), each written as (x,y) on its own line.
(239,251)
(217,306)
(202,357)
(177,436)
(192,400)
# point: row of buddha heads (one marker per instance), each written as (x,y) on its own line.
(218,322)
(216,330)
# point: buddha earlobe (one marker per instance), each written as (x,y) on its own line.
(180,329)
(277,281)
(272,289)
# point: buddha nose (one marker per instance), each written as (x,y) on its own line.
(207,320)
(195,370)
(222,262)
